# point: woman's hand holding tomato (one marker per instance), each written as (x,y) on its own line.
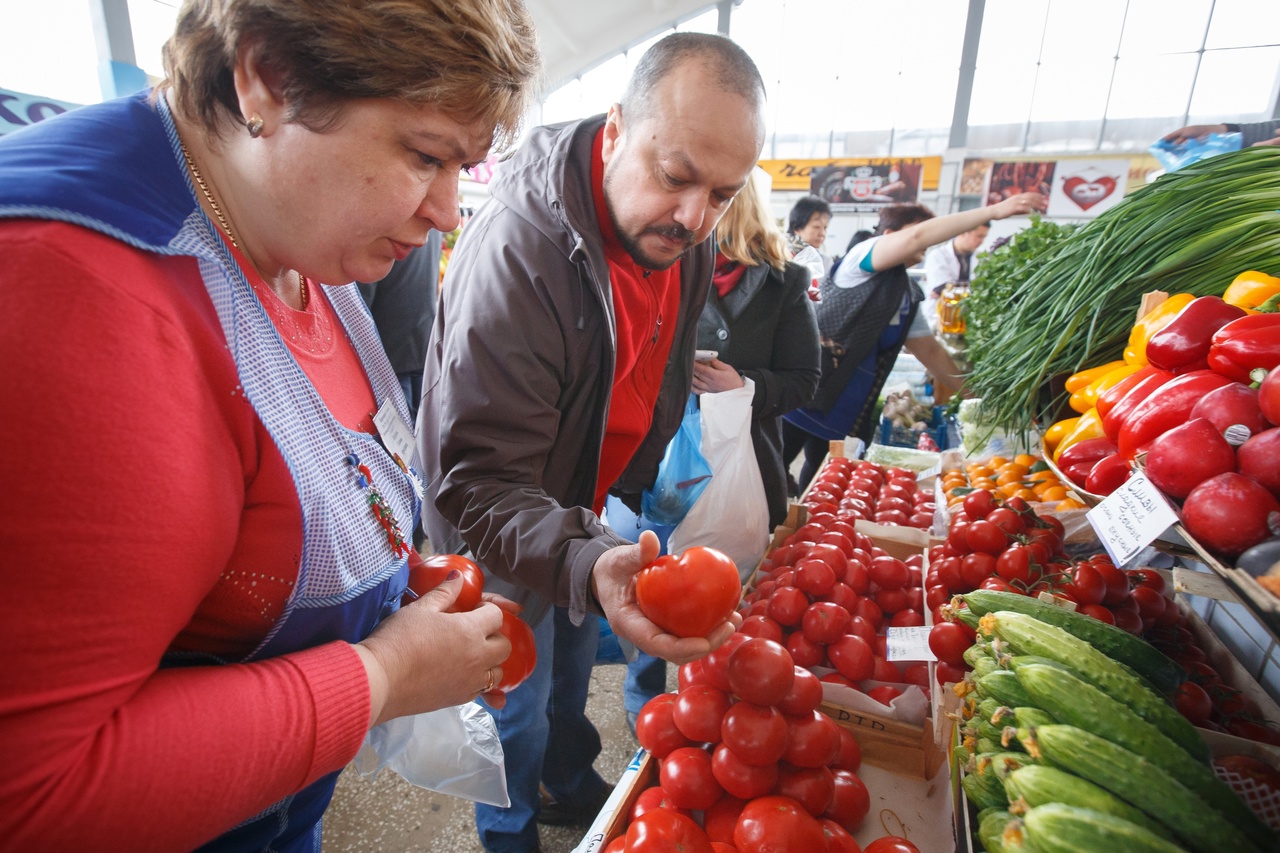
(424,657)
(614,580)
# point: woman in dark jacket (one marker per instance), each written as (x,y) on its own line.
(760,321)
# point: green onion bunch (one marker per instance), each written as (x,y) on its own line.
(1191,231)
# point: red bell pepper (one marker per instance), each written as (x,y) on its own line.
(1183,345)
(1109,474)
(1108,398)
(1245,345)
(1121,409)
(1088,450)
(1165,408)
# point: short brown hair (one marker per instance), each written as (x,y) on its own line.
(894,217)
(474,59)
(747,232)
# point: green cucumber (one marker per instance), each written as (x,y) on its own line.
(1061,828)
(1075,702)
(1114,642)
(976,653)
(1136,780)
(1028,717)
(982,794)
(1037,785)
(1002,764)
(1031,636)
(991,824)
(984,666)
(1003,686)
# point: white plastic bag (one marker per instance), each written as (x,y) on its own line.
(454,751)
(732,515)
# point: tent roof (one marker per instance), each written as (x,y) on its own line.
(576,35)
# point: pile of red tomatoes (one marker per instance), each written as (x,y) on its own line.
(747,762)
(849,490)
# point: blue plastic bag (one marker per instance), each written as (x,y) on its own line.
(682,475)
(1174,156)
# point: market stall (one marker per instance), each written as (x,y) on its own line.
(1015,644)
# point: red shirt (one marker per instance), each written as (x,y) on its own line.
(645,306)
(140,490)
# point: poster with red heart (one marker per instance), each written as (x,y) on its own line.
(1085,188)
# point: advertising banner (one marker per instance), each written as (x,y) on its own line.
(1076,187)
(17,110)
(799,174)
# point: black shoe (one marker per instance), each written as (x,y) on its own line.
(554,813)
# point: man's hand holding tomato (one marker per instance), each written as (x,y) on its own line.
(613,581)
(425,657)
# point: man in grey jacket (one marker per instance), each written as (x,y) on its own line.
(559,367)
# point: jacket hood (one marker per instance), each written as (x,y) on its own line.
(556,200)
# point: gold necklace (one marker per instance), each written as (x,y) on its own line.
(222,219)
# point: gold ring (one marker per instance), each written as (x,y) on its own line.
(488,685)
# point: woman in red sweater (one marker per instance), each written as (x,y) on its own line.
(203,528)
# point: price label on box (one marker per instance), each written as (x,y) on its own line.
(908,644)
(1131,518)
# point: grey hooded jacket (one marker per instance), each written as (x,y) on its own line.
(519,374)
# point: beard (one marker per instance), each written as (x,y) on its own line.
(631,241)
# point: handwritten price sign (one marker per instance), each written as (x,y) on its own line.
(1131,518)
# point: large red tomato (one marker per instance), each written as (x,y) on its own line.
(760,671)
(757,734)
(850,801)
(427,574)
(777,825)
(687,778)
(691,594)
(655,798)
(739,779)
(811,787)
(838,838)
(662,831)
(524,653)
(721,818)
(813,740)
(698,712)
(805,694)
(656,729)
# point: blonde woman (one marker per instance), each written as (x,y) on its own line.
(205,531)
(760,321)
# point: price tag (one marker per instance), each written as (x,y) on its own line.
(1131,518)
(929,472)
(908,644)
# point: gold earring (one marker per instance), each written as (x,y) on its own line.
(254,124)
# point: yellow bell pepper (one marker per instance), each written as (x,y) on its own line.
(1060,430)
(1153,321)
(1090,394)
(1088,425)
(1250,289)
(1078,381)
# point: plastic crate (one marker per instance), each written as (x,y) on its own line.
(941,429)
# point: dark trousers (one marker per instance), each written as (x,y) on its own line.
(815,450)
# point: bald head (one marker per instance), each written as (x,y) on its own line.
(723,67)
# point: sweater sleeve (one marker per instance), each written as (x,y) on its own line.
(1258,131)
(125,485)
